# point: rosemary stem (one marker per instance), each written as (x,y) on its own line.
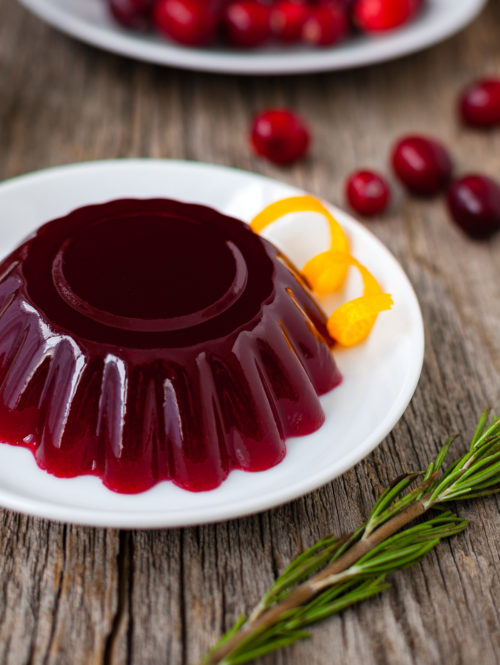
(342,572)
(304,592)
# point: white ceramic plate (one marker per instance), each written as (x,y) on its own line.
(380,375)
(88,20)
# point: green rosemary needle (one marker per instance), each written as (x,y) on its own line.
(338,572)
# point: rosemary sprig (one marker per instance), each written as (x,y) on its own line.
(338,572)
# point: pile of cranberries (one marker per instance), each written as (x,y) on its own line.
(254,23)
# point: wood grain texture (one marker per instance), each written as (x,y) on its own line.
(77,595)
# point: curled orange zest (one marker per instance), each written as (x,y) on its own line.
(352,322)
(323,276)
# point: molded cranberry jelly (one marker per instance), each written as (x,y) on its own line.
(149,340)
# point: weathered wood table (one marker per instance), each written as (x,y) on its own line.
(79,595)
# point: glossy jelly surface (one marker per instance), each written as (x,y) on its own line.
(150,340)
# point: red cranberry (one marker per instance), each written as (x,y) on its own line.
(134,14)
(326,24)
(381,15)
(246,23)
(287,19)
(368,193)
(189,22)
(480,103)
(280,136)
(422,164)
(474,203)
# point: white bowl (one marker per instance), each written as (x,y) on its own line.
(89,21)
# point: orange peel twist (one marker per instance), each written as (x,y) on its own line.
(326,272)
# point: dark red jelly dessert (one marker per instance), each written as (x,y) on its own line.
(150,340)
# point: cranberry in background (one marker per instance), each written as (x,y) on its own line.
(382,15)
(367,193)
(133,14)
(246,23)
(280,136)
(480,103)
(188,22)
(422,164)
(287,20)
(474,204)
(327,24)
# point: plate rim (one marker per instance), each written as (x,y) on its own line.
(47,509)
(131,46)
